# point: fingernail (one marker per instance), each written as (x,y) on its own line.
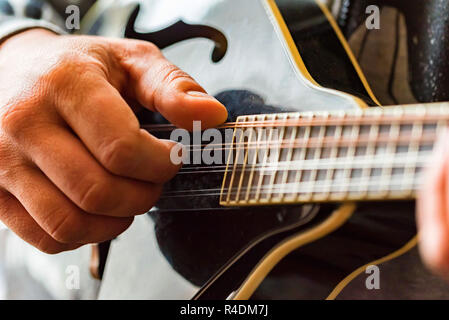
(199,94)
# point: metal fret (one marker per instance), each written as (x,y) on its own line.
(317,154)
(412,156)
(302,156)
(253,167)
(274,174)
(238,151)
(351,153)
(387,168)
(370,152)
(293,136)
(245,160)
(333,156)
(264,162)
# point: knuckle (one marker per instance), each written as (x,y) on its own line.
(119,155)
(68,230)
(73,72)
(49,246)
(75,61)
(145,47)
(129,49)
(17,117)
(51,249)
(5,200)
(11,166)
(61,74)
(96,197)
(72,75)
(172,74)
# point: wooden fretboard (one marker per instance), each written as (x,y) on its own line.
(371,154)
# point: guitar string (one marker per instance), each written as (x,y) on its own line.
(317,120)
(312,143)
(299,123)
(398,175)
(370,162)
(325,182)
(303,164)
(315,190)
(301,187)
(363,138)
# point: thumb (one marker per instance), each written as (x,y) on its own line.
(160,86)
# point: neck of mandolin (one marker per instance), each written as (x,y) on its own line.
(356,155)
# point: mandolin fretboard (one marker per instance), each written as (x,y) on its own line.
(370,154)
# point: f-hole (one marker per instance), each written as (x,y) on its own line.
(178,32)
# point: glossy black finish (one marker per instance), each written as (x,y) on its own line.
(231,275)
(374,231)
(320,48)
(428,41)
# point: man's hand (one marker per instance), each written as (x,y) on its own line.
(75,167)
(433,211)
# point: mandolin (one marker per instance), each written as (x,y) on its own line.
(313,182)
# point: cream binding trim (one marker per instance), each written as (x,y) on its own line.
(345,282)
(335,221)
